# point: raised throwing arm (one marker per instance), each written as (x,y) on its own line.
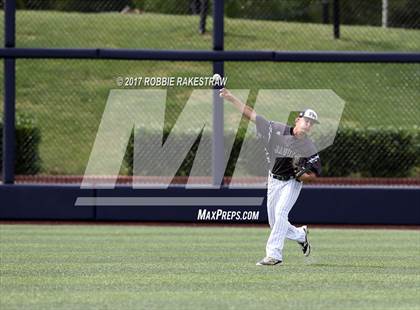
(247,111)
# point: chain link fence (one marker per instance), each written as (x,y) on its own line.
(267,24)
(68,97)
(1,111)
(112,24)
(64,99)
(299,25)
(399,13)
(379,123)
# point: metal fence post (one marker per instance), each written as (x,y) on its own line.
(9,95)
(325,11)
(336,10)
(384,13)
(218,160)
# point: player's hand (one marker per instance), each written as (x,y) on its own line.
(226,94)
(307,177)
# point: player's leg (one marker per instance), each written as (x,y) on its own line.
(295,233)
(288,195)
(273,192)
(300,236)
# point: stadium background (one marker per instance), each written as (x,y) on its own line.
(371,174)
(59,102)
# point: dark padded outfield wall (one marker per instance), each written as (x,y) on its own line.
(38,202)
(316,205)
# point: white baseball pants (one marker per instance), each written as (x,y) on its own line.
(281,196)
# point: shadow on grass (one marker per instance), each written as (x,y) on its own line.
(383,46)
(241,35)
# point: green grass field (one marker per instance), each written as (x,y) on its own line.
(152,267)
(67,98)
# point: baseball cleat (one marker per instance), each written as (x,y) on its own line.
(306,246)
(269,261)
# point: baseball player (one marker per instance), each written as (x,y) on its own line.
(292,159)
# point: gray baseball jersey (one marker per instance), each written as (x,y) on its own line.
(283,149)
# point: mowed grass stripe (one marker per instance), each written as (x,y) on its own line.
(72,267)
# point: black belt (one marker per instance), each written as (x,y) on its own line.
(281,177)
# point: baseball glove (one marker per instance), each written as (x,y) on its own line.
(304,165)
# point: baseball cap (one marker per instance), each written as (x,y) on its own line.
(311,114)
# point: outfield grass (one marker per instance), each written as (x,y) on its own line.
(68,97)
(137,267)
